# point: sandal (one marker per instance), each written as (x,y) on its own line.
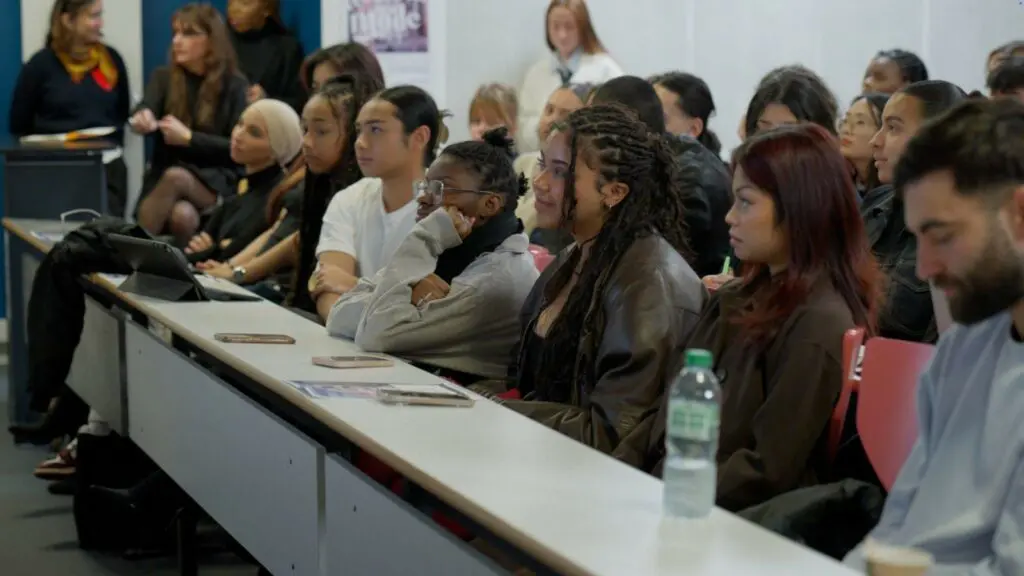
(60,466)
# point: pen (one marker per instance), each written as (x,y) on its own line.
(725,267)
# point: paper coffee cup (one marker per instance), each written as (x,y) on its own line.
(886,560)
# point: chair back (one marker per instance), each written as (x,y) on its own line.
(541,257)
(852,342)
(887,403)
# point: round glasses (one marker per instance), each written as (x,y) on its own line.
(434,191)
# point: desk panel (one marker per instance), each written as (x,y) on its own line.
(95,373)
(256,476)
(372,531)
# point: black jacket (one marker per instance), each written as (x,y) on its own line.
(708,199)
(56,307)
(829,518)
(907,312)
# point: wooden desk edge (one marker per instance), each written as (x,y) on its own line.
(25,234)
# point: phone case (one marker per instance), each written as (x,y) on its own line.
(365,361)
(401,397)
(254,338)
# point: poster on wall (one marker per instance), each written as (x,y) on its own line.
(398,33)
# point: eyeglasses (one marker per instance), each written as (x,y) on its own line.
(434,190)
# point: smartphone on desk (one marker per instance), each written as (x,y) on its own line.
(427,395)
(240,338)
(364,361)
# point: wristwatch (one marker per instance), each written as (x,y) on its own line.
(238,274)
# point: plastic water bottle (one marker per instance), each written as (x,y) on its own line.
(691,439)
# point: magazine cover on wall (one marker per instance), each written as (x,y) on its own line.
(397,31)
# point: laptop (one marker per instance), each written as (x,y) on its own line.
(161,271)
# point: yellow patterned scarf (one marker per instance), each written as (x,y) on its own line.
(99,59)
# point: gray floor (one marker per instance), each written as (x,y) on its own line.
(37,532)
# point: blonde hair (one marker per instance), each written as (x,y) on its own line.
(496,101)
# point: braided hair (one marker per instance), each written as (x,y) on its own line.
(617,145)
(493,161)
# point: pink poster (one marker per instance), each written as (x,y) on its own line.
(389,26)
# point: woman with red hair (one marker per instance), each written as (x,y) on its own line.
(776,332)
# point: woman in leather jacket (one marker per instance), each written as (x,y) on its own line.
(604,326)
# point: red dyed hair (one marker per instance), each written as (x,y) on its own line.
(589,41)
(802,170)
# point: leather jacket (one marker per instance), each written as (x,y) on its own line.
(708,188)
(907,312)
(649,305)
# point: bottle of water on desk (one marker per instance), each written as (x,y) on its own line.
(691,439)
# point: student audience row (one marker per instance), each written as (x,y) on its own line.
(360,216)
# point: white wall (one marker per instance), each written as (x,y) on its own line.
(123,30)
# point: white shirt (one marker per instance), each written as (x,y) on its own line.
(356,224)
(543,79)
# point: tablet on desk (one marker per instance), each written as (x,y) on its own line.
(161,271)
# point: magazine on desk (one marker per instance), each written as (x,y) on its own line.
(395,394)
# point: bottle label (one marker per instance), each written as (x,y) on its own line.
(694,421)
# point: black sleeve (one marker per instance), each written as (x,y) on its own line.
(26,95)
(292,92)
(217,147)
(124,90)
(156,92)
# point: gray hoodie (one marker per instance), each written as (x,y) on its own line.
(473,329)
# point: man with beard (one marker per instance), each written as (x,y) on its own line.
(960,495)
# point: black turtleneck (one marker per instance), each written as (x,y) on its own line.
(272,57)
(242,218)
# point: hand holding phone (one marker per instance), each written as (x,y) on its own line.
(239,338)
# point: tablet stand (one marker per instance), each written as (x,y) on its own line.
(161,288)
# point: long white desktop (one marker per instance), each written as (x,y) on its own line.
(300,507)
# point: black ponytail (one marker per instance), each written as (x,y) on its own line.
(693,99)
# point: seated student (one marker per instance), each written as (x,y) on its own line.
(958,496)
(561,103)
(1003,53)
(265,142)
(492,106)
(605,324)
(776,334)
(328,149)
(268,54)
(450,297)
(333,61)
(706,187)
(858,126)
(399,131)
(191,107)
(688,107)
(907,313)
(892,70)
(1007,79)
(76,82)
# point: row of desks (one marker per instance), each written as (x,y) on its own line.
(273,466)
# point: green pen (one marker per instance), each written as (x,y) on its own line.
(726,267)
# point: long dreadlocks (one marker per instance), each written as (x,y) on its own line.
(612,141)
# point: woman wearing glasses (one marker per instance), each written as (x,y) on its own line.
(449,299)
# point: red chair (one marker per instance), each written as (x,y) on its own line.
(541,256)
(852,342)
(887,403)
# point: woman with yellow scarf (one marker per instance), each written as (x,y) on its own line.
(76,82)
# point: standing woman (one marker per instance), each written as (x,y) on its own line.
(191,107)
(76,82)
(859,125)
(269,55)
(577,56)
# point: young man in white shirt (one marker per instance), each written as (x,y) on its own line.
(399,131)
(960,494)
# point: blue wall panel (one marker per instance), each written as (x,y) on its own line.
(303,18)
(10,65)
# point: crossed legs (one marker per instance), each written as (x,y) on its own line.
(174,204)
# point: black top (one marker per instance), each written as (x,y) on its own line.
(208,156)
(46,101)
(291,203)
(241,218)
(707,186)
(272,57)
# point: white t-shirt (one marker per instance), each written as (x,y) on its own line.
(356,224)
